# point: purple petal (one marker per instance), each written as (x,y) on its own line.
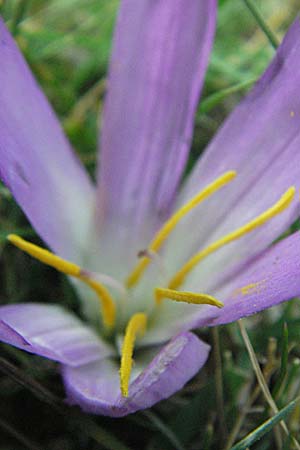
(261,141)
(50,331)
(95,387)
(269,279)
(36,161)
(160,54)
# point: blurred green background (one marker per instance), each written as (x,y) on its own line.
(67,44)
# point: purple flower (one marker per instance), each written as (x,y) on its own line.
(208,243)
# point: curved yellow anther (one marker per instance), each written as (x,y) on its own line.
(62,265)
(277,208)
(186,297)
(136,326)
(108,305)
(44,256)
(168,227)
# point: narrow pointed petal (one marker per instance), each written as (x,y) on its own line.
(95,387)
(50,331)
(160,54)
(36,162)
(260,140)
(265,281)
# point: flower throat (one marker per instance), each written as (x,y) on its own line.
(137,324)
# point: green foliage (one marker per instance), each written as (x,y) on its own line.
(67,43)
(267,426)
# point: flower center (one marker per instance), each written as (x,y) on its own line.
(169,226)
(99,283)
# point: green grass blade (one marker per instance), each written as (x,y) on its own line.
(262,23)
(214,99)
(284,361)
(267,426)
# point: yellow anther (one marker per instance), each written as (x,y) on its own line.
(44,256)
(107,303)
(277,208)
(136,326)
(169,226)
(186,297)
(62,265)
